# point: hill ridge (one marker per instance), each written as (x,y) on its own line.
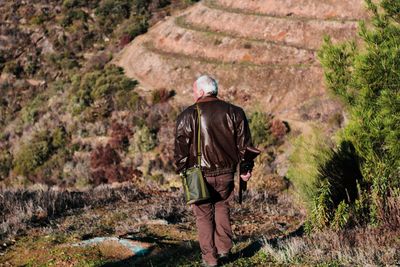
(263,60)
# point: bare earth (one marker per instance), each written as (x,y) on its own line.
(263,53)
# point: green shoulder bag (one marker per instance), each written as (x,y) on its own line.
(193,181)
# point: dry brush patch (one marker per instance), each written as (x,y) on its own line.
(150,215)
(358,246)
(22,208)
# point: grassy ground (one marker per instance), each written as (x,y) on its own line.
(160,219)
(268,231)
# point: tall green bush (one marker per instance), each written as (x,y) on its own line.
(367,80)
(326,176)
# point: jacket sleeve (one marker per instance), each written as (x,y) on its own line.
(243,139)
(183,133)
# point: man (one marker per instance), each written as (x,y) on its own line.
(225,134)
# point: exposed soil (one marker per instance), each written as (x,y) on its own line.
(262,54)
(323,9)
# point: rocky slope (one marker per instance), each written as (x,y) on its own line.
(263,53)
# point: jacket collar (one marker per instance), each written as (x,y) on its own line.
(207,98)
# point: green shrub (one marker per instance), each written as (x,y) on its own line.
(63,61)
(79,3)
(100,109)
(341,216)
(30,112)
(322,206)
(143,140)
(98,85)
(72,15)
(141,6)
(30,156)
(59,85)
(40,19)
(58,137)
(113,8)
(260,124)
(134,101)
(110,81)
(70,3)
(37,151)
(112,12)
(368,82)
(127,100)
(13,67)
(136,25)
(309,152)
(51,171)
(324,176)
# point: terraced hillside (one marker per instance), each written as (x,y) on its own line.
(263,53)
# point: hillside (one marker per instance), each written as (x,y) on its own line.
(46,49)
(90,92)
(262,54)
(264,57)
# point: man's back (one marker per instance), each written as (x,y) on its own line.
(224,136)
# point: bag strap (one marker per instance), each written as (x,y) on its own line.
(198,137)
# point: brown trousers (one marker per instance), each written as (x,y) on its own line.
(213,218)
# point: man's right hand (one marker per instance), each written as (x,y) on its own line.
(246,177)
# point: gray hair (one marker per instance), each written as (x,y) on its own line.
(207,84)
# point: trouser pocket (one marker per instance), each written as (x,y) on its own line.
(224,186)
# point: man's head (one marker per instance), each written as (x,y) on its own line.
(204,86)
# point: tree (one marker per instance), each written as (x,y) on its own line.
(367,79)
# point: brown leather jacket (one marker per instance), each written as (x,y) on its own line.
(225,134)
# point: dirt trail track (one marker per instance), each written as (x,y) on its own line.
(263,53)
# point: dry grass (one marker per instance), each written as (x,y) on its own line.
(21,208)
(162,218)
(360,246)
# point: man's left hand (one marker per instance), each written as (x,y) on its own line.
(246,177)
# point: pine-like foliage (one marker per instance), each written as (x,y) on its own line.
(367,78)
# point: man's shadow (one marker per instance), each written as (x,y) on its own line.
(164,253)
(162,256)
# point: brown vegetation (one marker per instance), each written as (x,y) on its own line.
(359,246)
(22,208)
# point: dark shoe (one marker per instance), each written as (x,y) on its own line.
(224,257)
